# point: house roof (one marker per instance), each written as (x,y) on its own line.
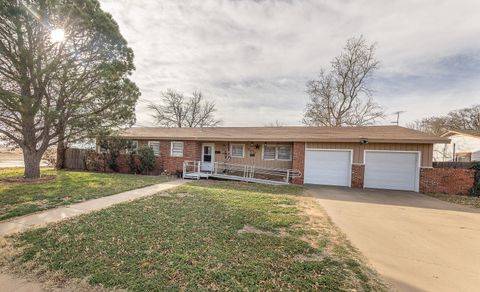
(374,134)
(472,133)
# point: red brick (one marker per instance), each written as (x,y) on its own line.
(452,181)
(358,171)
(298,161)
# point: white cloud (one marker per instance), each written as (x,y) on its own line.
(254,57)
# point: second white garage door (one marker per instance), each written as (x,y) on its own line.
(391,170)
(328,167)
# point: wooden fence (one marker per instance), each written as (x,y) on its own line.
(75,158)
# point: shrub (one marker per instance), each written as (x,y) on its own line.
(113,145)
(94,161)
(133,165)
(147,159)
(476,186)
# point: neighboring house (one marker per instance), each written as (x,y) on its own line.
(387,157)
(464,147)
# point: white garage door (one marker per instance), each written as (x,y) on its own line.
(391,170)
(325,167)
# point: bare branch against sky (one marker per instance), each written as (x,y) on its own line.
(255,57)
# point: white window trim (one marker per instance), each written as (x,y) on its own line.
(263,152)
(243,150)
(158,144)
(284,145)
(171,149)
(276,152)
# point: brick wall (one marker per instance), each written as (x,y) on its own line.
(298,160)
(164,162)
(192,150)
(358,171)
(452,181)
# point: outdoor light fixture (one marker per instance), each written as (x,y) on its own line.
(364,141)
(57,35)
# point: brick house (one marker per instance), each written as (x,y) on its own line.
(384,157)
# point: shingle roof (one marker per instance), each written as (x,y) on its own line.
(379,134)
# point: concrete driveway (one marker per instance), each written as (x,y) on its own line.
(416,242)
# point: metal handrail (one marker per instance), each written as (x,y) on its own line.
(247,171)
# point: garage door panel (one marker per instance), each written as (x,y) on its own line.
(327,167)
(391,170)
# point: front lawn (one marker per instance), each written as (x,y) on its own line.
(68,187)
(203,236)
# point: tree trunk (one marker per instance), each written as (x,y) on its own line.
(32,163)
(61,149)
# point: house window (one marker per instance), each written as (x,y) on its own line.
(133,149)
(284,152)
(280,152)
(176,149)
(155,145)
(269,152)
(237,150)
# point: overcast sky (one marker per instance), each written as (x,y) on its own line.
(254,57)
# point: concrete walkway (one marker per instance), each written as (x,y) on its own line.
(418,243)
(54,215)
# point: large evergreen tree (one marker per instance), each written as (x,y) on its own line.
(64,74)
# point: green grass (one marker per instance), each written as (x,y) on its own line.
(472,201)
(187,239)
(68,187)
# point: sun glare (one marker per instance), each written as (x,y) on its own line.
(57,35)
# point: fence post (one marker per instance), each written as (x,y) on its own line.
(288,176)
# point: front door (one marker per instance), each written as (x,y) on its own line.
(208,157)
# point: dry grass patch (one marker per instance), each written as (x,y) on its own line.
(471,201)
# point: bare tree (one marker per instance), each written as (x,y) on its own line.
(341,96)
(432,125)
(466,118)
(461,119)
(177,110)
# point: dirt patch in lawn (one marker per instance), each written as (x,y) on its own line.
(21,179)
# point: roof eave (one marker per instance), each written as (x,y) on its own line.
(438,140)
